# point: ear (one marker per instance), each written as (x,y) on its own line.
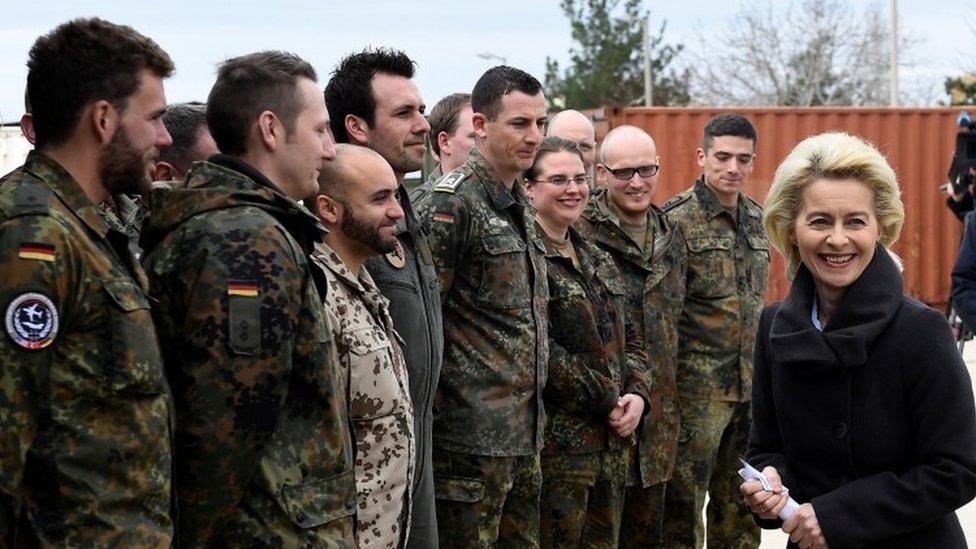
(105,121)
(270,130)
(602,175)
(27,127)
(328,209)
(164,171)
(358,130)
(479,121)
(701,157)
(529,186)
(443,144)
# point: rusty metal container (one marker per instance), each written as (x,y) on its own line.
(918,143)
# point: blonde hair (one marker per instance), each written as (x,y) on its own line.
(830,156)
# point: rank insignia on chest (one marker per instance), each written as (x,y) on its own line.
(244,288)
(444,217)
(36,251)
(397,258)
(31,321)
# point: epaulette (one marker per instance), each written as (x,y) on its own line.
(750,200)
(449,183)
(675,201)
(28,199)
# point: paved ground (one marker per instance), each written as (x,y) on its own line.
(967,515)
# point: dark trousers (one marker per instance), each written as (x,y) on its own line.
(485,502)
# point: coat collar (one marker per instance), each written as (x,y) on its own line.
(865,310)
(64,186)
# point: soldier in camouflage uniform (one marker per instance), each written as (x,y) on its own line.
(488,415)
(728,264)
(357,204)
(597,389)
(451,133)
(85,413)
(374,102)
(263,451)
(650,254)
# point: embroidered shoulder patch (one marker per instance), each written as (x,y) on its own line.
(246,288)
(36,250)
(444,217)
(32,321)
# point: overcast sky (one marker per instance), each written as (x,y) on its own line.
(444,38)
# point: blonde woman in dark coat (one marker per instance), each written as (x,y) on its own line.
(862,407)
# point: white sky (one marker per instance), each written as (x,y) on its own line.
(443,37)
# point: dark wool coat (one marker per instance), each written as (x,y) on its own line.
(871,420)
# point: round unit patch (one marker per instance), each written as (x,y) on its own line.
(32,321)
(397,258)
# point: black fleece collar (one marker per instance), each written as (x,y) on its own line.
(864,311)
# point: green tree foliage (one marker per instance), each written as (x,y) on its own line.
(961,89)
(606,65)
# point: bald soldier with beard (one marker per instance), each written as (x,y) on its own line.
(357,203)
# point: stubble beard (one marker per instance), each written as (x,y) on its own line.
(122,168)
(370,237)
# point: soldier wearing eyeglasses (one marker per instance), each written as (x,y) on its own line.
(651,258)
(728,264)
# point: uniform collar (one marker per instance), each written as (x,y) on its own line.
(64,186)
(496,189)
(709,202)
(604,216)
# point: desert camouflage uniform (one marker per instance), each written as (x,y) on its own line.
(126,215)
(488,415)
(263,449)
(379,400)
(728,264)
(654,279)
(595,356)
(85,416)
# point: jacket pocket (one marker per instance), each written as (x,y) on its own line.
(320,501)
(462,489)
(758,263)
(712,264)
(135,365)
(504,275)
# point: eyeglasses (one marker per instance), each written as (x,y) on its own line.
(562,180)
(625,174)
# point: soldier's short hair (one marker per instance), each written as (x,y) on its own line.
(83,61)
(727,124)
(497,82)
(183,121)
(350,89)
(444,117)
(549,145)
(249,85)
(831,156)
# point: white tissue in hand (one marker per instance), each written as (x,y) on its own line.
(748,472)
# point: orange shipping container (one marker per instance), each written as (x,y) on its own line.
(918,143)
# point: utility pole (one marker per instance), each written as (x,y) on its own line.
(893,56)
(648,81)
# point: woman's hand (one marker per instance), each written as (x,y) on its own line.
(631,408)
(765,504)
(804,528)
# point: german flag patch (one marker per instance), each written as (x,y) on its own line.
(246,288)
(444,217)
(36,251)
